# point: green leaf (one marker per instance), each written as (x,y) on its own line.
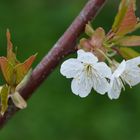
(89,30)
(4,99)
(137,26)
(128,53)
(7,70)
(23,68)
(129,41)
(126,20)
(11,56)
(24,81)
(18,100)
(121,13)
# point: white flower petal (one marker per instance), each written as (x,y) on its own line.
(132,76)
(103,69)
(133,62)
(71,67)
(120,69)
(101,85)
(81,85)
(115,88)
(86,57)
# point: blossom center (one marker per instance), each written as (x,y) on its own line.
(88,69)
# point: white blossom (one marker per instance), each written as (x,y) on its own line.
(87,73)
(127,72)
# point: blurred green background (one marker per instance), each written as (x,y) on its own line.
(53,112)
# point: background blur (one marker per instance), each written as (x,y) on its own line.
(53,112)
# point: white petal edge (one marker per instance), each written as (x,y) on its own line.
(115,89)
(134,61)
(120,69)
(100,85)
(81,86)
(103,69)
(132,76)
(86,57)
(71,67)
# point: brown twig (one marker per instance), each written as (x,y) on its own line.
(64,46)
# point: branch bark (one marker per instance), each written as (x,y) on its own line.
(64,46)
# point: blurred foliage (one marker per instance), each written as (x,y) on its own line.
(53,112)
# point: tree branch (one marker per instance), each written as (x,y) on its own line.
(64,46)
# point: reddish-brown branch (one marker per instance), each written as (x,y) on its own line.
(64,46)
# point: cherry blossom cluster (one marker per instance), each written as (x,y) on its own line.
(96,67)
(87,73)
